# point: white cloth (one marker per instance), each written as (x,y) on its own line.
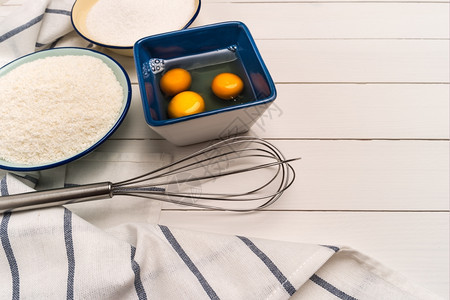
(35,25)
(54,254)
(70,253)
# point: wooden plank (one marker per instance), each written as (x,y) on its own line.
(346,175)
(357,61)
(339,111)
(360,176)
(413,244)
(287,20)
(348,61)
(382,111)
(368,175)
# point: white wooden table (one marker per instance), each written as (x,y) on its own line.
(363,98)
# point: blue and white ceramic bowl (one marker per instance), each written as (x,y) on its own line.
(121,77)
(81,9)
(196,48)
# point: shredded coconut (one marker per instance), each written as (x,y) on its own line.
(56,107)
(123,22)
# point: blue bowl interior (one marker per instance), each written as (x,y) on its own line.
(192,42)
(118,71)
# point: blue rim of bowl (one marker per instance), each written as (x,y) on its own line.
(26,168)
(127,47)
(270,98)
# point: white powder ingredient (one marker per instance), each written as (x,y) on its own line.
(123,22)
(55,107)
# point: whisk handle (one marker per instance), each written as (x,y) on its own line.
(55,197)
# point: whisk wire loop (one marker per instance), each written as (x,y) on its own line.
(237,150)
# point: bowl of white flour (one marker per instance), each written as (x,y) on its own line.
(118,24)
(58,105)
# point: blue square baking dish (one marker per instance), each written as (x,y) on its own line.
(204,52)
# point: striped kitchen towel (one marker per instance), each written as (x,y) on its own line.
(35,25)
(55,254)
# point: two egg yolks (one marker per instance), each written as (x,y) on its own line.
(176,82)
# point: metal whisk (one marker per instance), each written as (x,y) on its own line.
(235,174)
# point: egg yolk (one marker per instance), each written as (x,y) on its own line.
(227,86)
(175,81)
(185,104)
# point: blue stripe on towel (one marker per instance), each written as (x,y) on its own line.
(10,256)
(330,288)
(176,246)
(58,11)
(140,291)
(26,177)
(31,179)
(272,267)
(70,252)
(3,187)
(334,248)
(20,28)
(32,22)
(52,45)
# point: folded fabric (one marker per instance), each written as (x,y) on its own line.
(53,254)
(35,25)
